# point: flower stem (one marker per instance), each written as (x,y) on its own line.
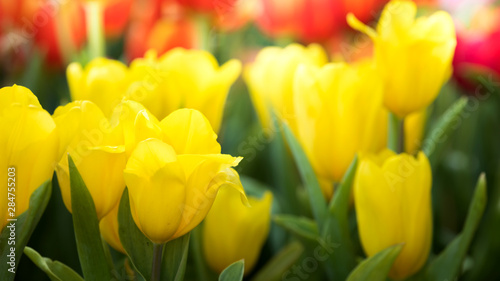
(396,139)
(95,33)
(157,253)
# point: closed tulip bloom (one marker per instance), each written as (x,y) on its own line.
(413,55)
(167,83)
(392,195)
(173,182)
(108,227)
(414,131)
(29,142)
(270,79)
(97,150)
(233,231)
(102,81)
(339,113)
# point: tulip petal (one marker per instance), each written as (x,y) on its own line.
(210,173)
(189,132)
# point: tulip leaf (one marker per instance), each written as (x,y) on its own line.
(138,247)
(55,270)
(280,263)
(284,180)
(318,203)
(86,224)
(342,260)
(377,267)
(448,121)
(174,260)
(339,205)
(302,226)
(24,227)
(233,272)
(447,265)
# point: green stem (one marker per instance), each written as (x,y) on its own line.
(157,253)
(396,138)
(203,26)
(95,32)
(196,251)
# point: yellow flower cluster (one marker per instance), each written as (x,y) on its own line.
(339,110)
(152,127)
(178,79)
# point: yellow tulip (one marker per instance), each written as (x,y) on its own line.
(102,81)
(97,150)
(414,126)
(339,113)
(109,229)
(392,195)
(136,123)
(183,79)
(233,231)
(173,182)
(413,55)
(29,142)
(270,79)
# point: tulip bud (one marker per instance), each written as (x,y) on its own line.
(414,126)
(173,182)
(413,56)
(270,79)
(97,150)
(109,229)
(102,81)
(167,83)
(392,195)
(339,113)
(232,231)
(29,143)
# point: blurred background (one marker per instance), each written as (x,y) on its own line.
(39,38)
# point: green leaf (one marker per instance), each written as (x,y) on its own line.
(280,263)
(301,226)
(444,126)
(377,267)
(308,176)
(233,272)
(284,179)
(24,227)
(88,238)
(447,265)
(55,270)
(394,131)
(174,259)
(339,206)
(342,260)
(138,247)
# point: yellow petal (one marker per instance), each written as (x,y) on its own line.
(157,189)
(209,174)
(189,132)
(233,231)
(29,143)
(102,81)
(108,227)
(393,206)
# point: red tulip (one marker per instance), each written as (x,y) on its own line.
(116,17)
(478,49)
(312,20)
(217,6)
(62,33)
(160,25)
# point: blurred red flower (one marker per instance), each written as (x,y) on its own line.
(478,48)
